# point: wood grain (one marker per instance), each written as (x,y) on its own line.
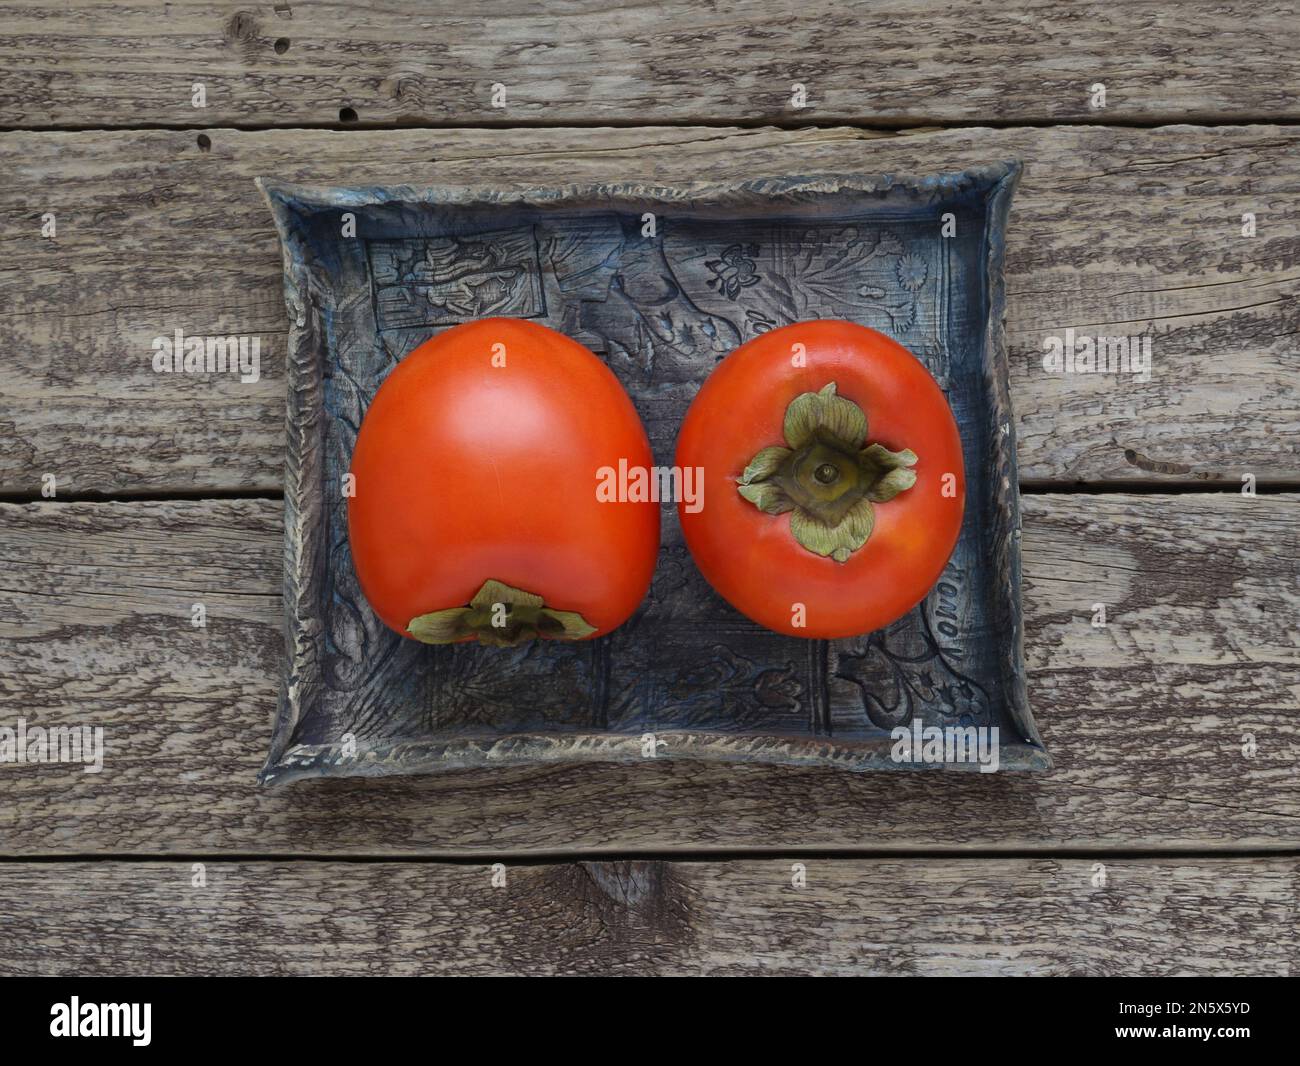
(1026,917)
(1113,232)
(1116,230)
(1149,719)
(898,62)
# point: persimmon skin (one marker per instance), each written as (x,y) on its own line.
(751,558)
(468,471)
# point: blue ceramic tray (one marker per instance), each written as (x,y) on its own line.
(372,272)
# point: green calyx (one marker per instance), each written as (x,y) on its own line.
(825,478)
(502,617)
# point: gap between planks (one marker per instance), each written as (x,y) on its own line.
(901,128)
(544,857)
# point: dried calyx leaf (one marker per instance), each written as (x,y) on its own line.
(501,616)
(824,477)
(890,472)
(827,412)
(756,487)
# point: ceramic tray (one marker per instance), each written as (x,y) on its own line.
(372,272)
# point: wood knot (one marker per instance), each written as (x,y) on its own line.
(243,31)
(405,87)
(1155,466)
(629,884)
(636,901)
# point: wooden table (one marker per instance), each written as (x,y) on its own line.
(1168,838)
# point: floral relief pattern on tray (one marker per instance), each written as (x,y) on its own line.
(917,258)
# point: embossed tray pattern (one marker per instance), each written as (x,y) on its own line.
(724,264)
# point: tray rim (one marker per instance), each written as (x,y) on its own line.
(305,457)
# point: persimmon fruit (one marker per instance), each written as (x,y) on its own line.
(833,479)
(475,512)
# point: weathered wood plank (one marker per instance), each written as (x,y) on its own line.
(1113,232)
(901,62)
(1150,720)
(944,917)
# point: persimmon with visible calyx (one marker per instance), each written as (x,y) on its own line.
(833,479)
(475,513)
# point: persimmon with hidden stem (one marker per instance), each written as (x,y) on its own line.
(475,514)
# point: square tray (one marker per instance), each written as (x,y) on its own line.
(725,263)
